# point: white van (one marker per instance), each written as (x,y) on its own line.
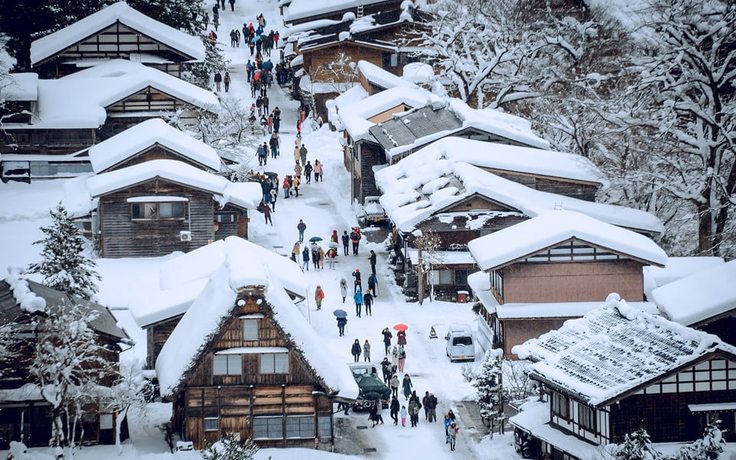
(460,345)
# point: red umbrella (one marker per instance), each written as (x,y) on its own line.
(401,327)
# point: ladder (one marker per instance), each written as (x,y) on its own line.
(360,10)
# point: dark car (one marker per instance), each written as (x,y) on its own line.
(371,387)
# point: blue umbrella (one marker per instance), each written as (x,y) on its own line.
(340,313)
(314,239)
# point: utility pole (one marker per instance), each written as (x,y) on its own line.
(420,267)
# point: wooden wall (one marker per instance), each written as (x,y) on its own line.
(559,186)
(123,237)
(518,330)
(371,155)
(156,336)
(579,281)
(47,141)
(156,152)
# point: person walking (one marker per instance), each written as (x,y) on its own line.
(319,295)
(296,183)
(218,81)
(303,154)
(355,239)
(372,260)
(308,172)
(447,422)
(333,237)
(355,350)
(274,144)
(321,257)
(305,259)
(401,338)
(402,358)
(331,255)
(387,336)
(301,226)
(358,298)
(373,283)
(345,241)
(394,410)
(341,322)
(318,171)
(367,351)
(395,356)
(431,406)
(407,386)
(296,250)
(453,435)
(343,288)
(266,210)
(315,256)
(424,405)
(274,196)
(298,170)
(357,284)
(403,416)
(414,405)
(368,301)
(394,384)
(227,81)
(386,370)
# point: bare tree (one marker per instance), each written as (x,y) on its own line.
(131,390)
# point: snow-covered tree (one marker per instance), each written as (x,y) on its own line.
(6,351)
(230,448)
(427,244)
(68,365)
(201,73)
(684,93)
(489,385)
(706,448)
(65,267)
(637,446)
(517,385)
(130,390)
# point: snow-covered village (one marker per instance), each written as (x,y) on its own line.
(369,229)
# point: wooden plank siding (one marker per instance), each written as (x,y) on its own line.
(235,400)
(155,152)
(122,237)
(558,186)
(117,41)
(580,281)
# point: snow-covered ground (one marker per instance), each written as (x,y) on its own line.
(324,207)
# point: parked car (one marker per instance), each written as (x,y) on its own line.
(370,386)
(460,345)
(373,212)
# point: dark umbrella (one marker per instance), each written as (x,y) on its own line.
(372,396)
(340,313)
(314,239)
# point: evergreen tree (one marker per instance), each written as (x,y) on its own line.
(64,265)
(488,384)
(229,448)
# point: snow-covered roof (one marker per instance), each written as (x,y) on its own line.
(354,116)
(450,170)
(526,238)
(301,9)
(676,269)
(418,72)
(20,87)
(559,309)
(382,78)
(144,135)
(698,297)
(245,195)
(79,100)
(615,350)
(215,305)
(96,22)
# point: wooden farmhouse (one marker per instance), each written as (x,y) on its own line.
(325,59)
(383,138)
(619,369)
(539,273)
(705,300)
(115,32)
(159,313)
(459,190)
(80,110)
(243,359)
(156,192)
(24,413)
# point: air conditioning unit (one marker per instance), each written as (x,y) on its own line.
(185,235)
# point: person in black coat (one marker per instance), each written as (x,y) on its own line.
(355,350)
(357,284)
(394,407)
(372,260)
(341,323)
(387,336)
(345,242)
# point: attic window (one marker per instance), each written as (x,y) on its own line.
(227,365)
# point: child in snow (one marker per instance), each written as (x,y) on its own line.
(403,416)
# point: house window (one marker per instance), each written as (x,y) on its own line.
(250,329)
(461,277)
(301,426)
(225,218)
(561,405)
(156,211)
(274,363)
(227,365)
(268,428)
(441,277)
(324,427)
(211,424)
(586,417)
